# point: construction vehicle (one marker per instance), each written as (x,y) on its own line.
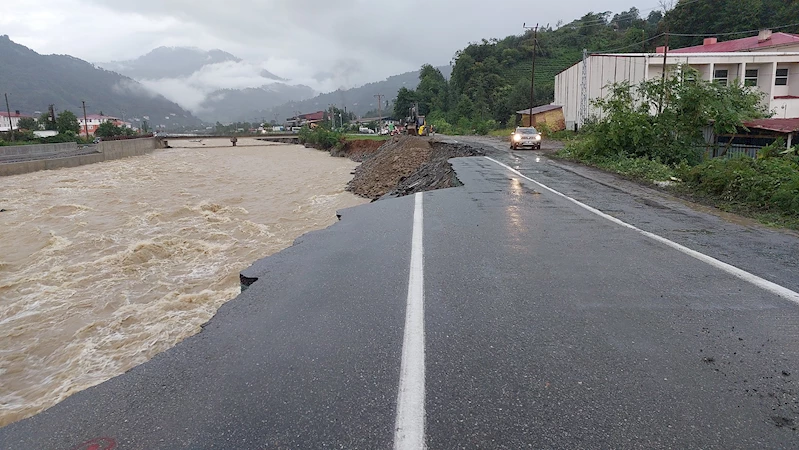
(416,124)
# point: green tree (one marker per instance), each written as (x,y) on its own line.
(675,134)
(45,122)
(108,129)
(402,105)
(28,123)
(67,121)
(432,92)
(465,109)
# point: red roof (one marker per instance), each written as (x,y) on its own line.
(778,125)
(540,109)
(319,115)
(13,114)
(742,45)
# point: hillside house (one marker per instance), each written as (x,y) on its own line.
(93,121)
(305,119)
(768,62)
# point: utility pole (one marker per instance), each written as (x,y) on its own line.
(85,120)
(379,106)
(663,77)
(10,123)
(532,75)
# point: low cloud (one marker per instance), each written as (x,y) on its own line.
(130,87)
(192,92)
(179,91)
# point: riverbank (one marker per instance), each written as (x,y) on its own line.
(111,263)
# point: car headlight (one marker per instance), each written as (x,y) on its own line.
(517,137)
(537,137)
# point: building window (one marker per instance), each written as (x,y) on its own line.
(781,79)
(720,76)
(750,78)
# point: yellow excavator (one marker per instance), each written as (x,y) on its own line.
(416,124)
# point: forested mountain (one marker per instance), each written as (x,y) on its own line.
(491,79)
(34,81)
(723,17)
(360,100)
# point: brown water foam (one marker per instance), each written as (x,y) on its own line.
(104,266)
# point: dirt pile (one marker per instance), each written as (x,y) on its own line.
(357,150)
(406,165)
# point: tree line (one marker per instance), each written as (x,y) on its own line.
(490,79)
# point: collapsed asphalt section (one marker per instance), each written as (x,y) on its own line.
(406,165)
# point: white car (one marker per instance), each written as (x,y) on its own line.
(525,137)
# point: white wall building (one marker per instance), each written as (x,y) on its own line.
(769,62)
(95,120)
(8,122)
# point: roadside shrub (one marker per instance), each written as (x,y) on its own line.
(771,151)
(544,129)
(770,184)
(321,138)
(442,126)
(663,119)
(483,127)
(638,168)
(582,149)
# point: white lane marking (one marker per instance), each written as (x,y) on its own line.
(409,426)
(774,288)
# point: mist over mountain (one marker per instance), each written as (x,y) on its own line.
(170,62)
(214,85)
(34,81)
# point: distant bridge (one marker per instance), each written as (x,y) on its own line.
(286,138)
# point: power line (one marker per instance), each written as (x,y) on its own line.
(734,32)
(696,35)
(632,45)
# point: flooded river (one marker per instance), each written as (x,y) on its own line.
(104,266)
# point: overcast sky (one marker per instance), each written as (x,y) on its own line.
(325,44)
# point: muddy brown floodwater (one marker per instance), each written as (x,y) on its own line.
(104,266)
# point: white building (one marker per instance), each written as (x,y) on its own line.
(8,122)
(93,122)
(768,62)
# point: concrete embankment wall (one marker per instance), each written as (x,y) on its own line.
(106,151)
(41,149)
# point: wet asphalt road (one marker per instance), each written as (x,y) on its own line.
(546,326)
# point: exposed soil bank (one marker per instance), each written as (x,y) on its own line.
(405,165)
(358,150)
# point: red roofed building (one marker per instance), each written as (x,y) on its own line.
(305,119)
(93,122)
(768,62)
(766,41)
(7,123)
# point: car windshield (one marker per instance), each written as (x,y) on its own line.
(527,131)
